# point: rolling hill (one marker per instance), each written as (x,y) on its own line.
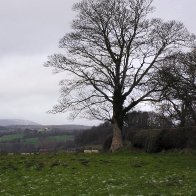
(13,122)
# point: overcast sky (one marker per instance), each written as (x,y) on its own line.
(29,32)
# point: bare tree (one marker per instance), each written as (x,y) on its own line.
(178,75)
(110,58)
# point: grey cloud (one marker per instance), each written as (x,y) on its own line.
(179,10)
(33,26)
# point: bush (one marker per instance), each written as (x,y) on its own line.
(191,135)
(173,138)
(166,139)
(156,140)
(107,143)
(178,138)
(148,140)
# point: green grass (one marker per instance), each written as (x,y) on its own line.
(60,138)
(31,140)
(7,138)
(98,174)
(34,140)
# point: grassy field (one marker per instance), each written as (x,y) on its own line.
(61,138)
(33,139)
(99,174)
(11,137)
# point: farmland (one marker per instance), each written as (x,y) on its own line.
(33,141)
(11,137)
(122,173)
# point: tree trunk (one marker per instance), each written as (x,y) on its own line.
(118,117)
(117,142)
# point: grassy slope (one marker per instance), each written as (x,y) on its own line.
(100,174)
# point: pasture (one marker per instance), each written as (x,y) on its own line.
(123,173)
(33,139)
(11,137)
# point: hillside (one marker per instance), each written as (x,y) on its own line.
(12,122)
(26,124)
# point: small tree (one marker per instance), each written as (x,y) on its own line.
(110,59)
(178,76)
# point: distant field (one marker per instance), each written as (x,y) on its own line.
(8,138)
(99,174)
(33,139)
(61,138)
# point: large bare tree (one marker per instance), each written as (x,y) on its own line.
(110,57)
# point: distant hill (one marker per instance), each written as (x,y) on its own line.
(26,124)
(51,127)
(16,122)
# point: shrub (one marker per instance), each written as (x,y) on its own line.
(148,140)
(166,139)
(178,138)
(191,135)
(156,140)
(107,143)
(173,138)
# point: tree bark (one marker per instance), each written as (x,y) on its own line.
(117,142)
